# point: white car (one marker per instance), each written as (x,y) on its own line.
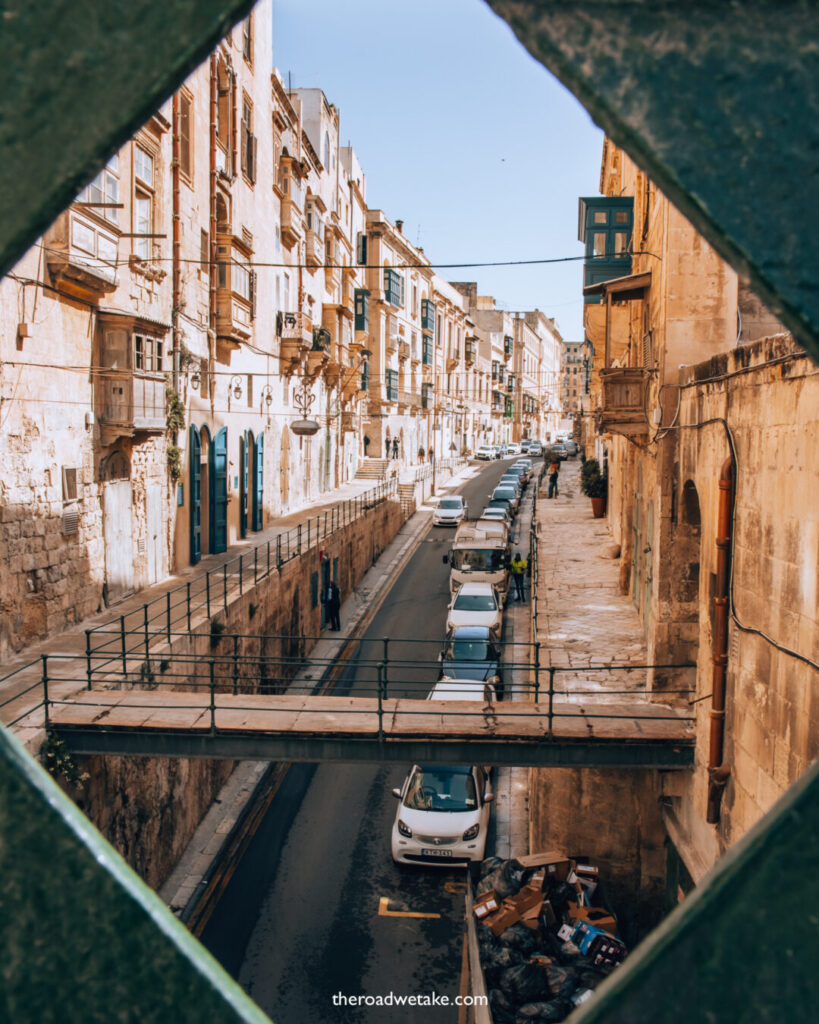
(486,451)
(449,511)
(536,448)
(476,604)
(513,448)
(442,816)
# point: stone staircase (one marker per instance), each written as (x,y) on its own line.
(406,495)
(372,469)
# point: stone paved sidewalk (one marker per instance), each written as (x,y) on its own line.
(584,621)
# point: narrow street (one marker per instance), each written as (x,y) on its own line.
(300,922)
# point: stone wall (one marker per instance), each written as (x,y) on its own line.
(148,808)
(613,817)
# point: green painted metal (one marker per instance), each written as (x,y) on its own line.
(82,938)
(717,102)
(77,79)
(237,746)
(742,947)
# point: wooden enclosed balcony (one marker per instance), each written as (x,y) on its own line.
(623,402)
(129,401)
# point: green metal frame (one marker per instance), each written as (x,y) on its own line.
(81,936)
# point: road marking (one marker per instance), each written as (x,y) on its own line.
(384,911)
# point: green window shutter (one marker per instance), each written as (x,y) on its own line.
(361,249)
(362,309)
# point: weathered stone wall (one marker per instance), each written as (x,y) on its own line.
(768,393)
(148,808)
(613,818)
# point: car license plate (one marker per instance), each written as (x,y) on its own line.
(436,853)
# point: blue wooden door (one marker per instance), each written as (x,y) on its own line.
(258,482)
(244,464)
(218,493)
(195,496)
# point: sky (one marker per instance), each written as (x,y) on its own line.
(460,133)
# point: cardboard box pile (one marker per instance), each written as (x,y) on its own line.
(546,937)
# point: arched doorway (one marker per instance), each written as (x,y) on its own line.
(117,528)
(284,468)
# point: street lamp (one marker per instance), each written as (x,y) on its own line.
(305,427)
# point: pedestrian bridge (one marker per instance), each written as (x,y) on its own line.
(285,727)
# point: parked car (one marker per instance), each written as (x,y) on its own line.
(471,652)
(513,448)
(524,445)
(498,451)
(476,604)
(535,449)
(507,494)
(500,512)
(521,472)
(512,480)
(485,451)
(450,511)
(558,450)
(571,448)
(443,815)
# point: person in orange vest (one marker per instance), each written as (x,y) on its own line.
(518,567)
(554,473)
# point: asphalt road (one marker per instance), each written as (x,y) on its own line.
(302,920)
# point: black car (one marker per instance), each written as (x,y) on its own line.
(470,652)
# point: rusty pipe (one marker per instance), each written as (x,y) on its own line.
(214,114)
(718,772)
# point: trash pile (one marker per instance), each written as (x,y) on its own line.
(544,943)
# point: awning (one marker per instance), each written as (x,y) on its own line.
(634,286)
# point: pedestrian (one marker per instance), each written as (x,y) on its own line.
(554,473)
(334,606)
(518,567)
(395,447)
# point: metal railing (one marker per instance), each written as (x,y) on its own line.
(213,590)
(386,669)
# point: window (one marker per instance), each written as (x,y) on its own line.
(393,287)
(104,190)
(247,39)
(248,154)
(392,385)
(143,203)
(361,249)
(427,350)
(428,315)
(185,135)
(147,353)
(69,483)
(144,167)
(362,309)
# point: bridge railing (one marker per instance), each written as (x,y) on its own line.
(212,591)
(384,669)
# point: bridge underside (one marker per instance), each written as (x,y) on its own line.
(286,728)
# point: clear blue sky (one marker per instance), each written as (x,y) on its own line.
(461,134)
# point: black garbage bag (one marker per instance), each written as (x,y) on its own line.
(592,976)
(503,1012)
(525,983)
(571,955)
(560,894)
(563,981)
(506,880)
(520,937)
(552,1011)
(550,944)
(488,865)
(499,959)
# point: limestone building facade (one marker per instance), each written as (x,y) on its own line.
(706,415)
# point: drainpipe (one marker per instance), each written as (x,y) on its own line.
(214,114)
(718,772)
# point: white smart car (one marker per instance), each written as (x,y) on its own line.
(443,815)
(476,604)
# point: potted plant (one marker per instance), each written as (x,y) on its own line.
(595,485)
